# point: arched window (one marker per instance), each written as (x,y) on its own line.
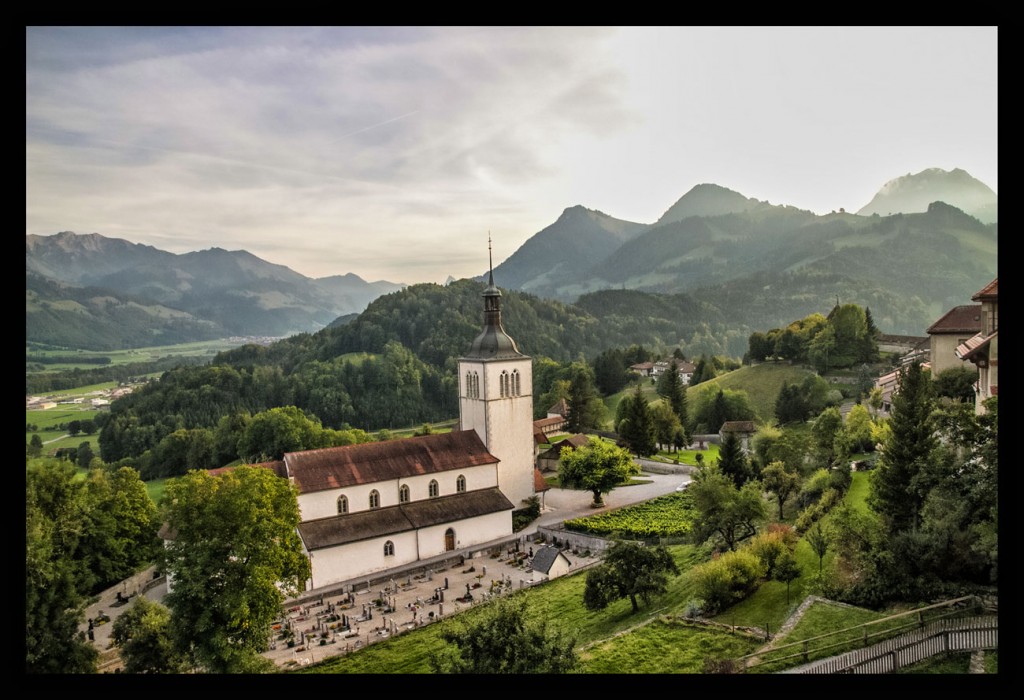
(342,504)
(503,384)
(389,549)
(476,385)
(515,382)
(460,484)
(375,499)
(403,494)
(434,490)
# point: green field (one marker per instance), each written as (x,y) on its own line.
(207,348)
(762,384)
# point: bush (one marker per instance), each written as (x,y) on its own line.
(767,547)
(814,486)
(814,512)
(694,608)
(728,579)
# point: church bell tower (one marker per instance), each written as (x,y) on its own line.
(496,398)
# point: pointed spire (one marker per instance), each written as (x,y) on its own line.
(490,262)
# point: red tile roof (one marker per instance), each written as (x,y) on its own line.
(538,481)
(989,293)
(974,345)
(959,319)
(548,422)
(336,467)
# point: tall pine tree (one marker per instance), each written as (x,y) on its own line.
(670,387)
(586,410)
(637,425)
(894,485)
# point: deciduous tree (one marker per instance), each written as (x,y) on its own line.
(730,513)
(629,570)
(779,482)
(233,556)
(598,467)
(143,633)
(505,639)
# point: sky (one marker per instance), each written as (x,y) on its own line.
(395,152)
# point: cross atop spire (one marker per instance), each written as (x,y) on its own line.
(490,262)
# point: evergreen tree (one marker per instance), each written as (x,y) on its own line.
(586,410)
(791,405)
(670,388)
(731,460)
(894,491)
(637,426)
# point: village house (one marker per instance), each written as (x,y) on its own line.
(743,429)
(982,348)
(952,330)
(549,459)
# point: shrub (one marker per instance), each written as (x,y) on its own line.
(727,579)
(814,486)
(694,608)
(767,547)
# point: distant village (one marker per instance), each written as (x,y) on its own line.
(98,399)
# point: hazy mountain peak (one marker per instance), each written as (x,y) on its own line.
(707,199)
(912,193)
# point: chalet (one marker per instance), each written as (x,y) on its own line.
(685,369)
(949,332)
(551,425)
(644,369)
(982,349)
(889,384)
(742,429)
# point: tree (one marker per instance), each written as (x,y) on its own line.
(586,410)
(731,460)
(54,601)
(35,445)
(143,633)
(819,540)
(858,428)
(610,373)
(629,570)
(598,467)
(85,455)
(821,346)
(780,482)
(786,570)
(724,510)
(670,388)
(666,423)
(791,405)
(637,427)
(270,434)
(506,639)
(957,383)
(74,428)
(895,494)
(233,557)
(88,426)
(760,346)
(703,371)
(825,430)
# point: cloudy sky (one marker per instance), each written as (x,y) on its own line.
(392,152)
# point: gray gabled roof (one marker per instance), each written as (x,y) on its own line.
(545,557)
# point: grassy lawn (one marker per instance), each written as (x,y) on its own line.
(664,646)
(648,389)
(761,383)
(690,456)
(941,663)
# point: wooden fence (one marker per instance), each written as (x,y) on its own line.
(941,636)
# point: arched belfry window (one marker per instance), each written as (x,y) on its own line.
(503,385)
(375,499)
(473,385)
(460,484)
(403,494)
(389,549)
(342,504)
(434,489)
(515,382)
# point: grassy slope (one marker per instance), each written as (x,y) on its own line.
(762,384)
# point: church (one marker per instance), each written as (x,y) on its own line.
(372,507)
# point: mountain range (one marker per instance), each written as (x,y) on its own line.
(931,254)
(756,264)
(95,292)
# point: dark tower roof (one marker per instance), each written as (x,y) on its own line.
(493,343)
